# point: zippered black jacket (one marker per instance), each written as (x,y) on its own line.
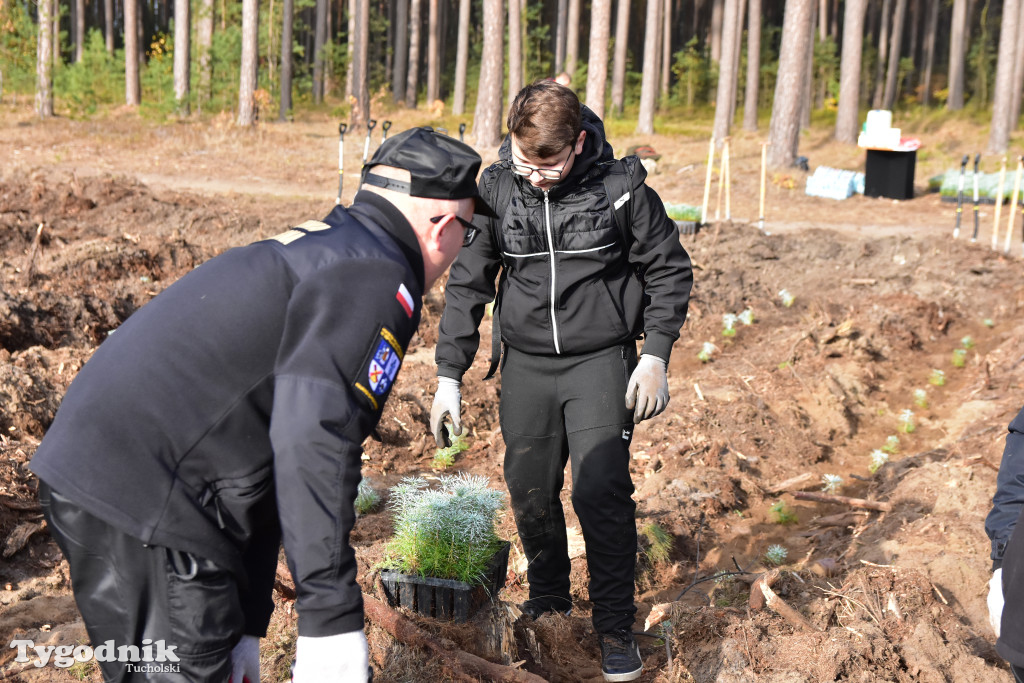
(569,286)
(238,399)
(1004,526)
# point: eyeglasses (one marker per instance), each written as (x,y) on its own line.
(471,229)
(545,173)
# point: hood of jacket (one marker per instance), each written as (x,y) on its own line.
(596,150)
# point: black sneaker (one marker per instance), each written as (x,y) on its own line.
(535,608)
(620,656)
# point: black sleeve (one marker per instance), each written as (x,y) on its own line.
(1008,501)
(260,560)
(665,266)
(470,287)
(341,350)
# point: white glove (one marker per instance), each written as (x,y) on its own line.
(648,388)
(342,658)
(995,600)
(245,661)
(447,401)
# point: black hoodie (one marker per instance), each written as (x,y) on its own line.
(568,287)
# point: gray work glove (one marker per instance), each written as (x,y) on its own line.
(245,661)
(647,391)
(995,600)
(447,402)
(342,658)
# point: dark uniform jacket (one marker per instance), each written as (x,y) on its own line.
(1004,526)
(572,284)
(259,374)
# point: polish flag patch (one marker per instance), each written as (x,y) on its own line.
(405,298)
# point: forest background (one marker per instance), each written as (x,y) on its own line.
(648,64)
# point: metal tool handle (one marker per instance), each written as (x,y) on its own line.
(384,127)
(341,159)
(462,131)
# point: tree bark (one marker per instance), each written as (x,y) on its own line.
(462,56)
(883,55)
(848,113)
(784,128)
(666,51)
(319,41)
(1018,69)
(132,92)
(433,53)
(957,49)
(487,117)
(79,29)
(895,46)
(930,32)
(649,80)
(413,81)
(572,38)
(750,97)
(597,66)
(401,44)
(108,25)
(287,61)
(619,64)
(515,48)
(726,74)
(999,134)
(717,9)
(250,62)
(182,56)
(44,62)
(561,23)
(359,116)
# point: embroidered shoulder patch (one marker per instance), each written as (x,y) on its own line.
(379,371)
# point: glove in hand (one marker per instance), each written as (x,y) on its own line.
(245,661)
(647,391)
(342,658)
(447,402)
(995,600)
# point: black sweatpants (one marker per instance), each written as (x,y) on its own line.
(128,592)
(556,408)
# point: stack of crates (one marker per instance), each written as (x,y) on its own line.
(833,183)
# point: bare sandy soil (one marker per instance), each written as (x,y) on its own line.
(882,296)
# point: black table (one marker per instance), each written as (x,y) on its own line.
(890,173)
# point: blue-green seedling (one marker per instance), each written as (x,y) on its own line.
(747,317)
(786,297)
(366,498)
(920,398)
(907,421)
(892,444)
(832,483)
(937,378)
(988,322)
(445,457)
(878,458)
(729,324)
(706,351)
(775,555)
(959,358)
(967,342)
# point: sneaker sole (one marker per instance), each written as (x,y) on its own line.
(628,676)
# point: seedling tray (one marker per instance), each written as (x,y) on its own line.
(446,599)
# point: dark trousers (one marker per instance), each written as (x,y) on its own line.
(573,407)
(1018,673)
(128,592)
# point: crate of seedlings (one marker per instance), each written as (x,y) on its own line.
(445,559)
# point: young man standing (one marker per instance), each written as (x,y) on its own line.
(583,275)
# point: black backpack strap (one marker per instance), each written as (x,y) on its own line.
(502,196)
(618,184)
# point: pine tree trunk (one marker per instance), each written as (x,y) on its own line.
(666,51)
(204,46)
(883,55)
(957,49)
(462,57)
(741,10)
(488,114)
(619,64)
(1018,69)
(359,116)
(182,56)
(401,50)
(250,57)
(132,92)
(572,37)
(930,33)
(649,79)
(717,9)
(413,82)
(433,53)
(319,41)
(726,73)
(999,134)
(784,128)
(108,25)
(895,46)
(750,97)
(847,115)
(79,29)
(561,24)
(515,48)
(287,61)
(44,62)
(597,66)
